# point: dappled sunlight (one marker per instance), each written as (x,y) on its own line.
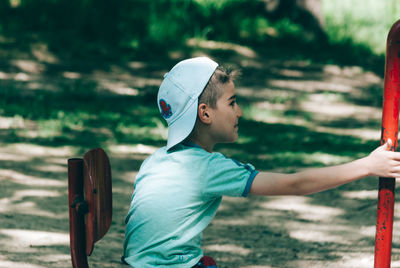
(232,249)
(326,159)
(39,85)
(321,106)
(123,78)
(16,203)
(52,258)
(41,52)
(309,86)
(21,178)
(210,44)
(120,88)
(8,264)
(318,157)
(22,77)
(28,66)
(34,208)
(25,208)
(25,240)
(76,105)
(338,233)
(357,259)
(4,75)
(34,150)
(71,75)
(318,116)
(137,65)
(328,99)
(265,97)
(369,231)
(363,194)
(140,81)
(21,194)
(232,222)
(41,158)
(52,168)
(132,149)
(365,134)
(288,72)
(4,156)
(58,161)
(257,266)
(301,206)
(321,240)
(347,259)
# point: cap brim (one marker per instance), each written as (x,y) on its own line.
(180,129)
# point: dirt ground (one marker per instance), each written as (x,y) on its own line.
(331,229)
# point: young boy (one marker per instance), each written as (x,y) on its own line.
(178,188)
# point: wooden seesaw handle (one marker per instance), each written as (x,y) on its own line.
(77,210)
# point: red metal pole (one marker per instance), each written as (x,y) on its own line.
(390,126)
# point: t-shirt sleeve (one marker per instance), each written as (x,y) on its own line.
(226,176)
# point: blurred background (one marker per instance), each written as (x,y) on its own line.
(76,75)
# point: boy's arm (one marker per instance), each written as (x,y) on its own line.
(380,162)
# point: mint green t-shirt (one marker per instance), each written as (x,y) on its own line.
(177,194)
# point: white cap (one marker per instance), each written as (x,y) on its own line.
(178,96)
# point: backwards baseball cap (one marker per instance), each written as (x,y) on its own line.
(178,96)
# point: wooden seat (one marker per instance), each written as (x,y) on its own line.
(90,203)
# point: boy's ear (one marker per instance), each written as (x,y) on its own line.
(204,113)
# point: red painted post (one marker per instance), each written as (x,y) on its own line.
(76,216)
(390,126)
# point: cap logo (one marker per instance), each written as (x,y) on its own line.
(165,109)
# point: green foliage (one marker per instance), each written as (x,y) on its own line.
(142,24)
(363,22)
(208,5)
(167,20)
(142,27)
(149,28)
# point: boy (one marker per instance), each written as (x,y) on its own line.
(178,188)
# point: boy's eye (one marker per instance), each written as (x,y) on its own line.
(232,103)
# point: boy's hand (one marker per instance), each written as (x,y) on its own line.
(384,163)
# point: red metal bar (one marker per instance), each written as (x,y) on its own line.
(390,126)
(76,213)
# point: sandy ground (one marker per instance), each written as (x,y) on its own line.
(331,229)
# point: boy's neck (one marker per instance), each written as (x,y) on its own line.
(209,148)
(202,140)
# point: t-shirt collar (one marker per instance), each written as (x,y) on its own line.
(191,144)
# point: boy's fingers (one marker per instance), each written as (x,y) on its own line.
(395,156)
(394,175)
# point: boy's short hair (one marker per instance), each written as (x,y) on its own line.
(212,92)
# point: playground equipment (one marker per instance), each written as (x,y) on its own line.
(390,126)
(90,203)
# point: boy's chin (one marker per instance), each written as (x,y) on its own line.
(231,139)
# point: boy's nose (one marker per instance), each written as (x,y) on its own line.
(239,111)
